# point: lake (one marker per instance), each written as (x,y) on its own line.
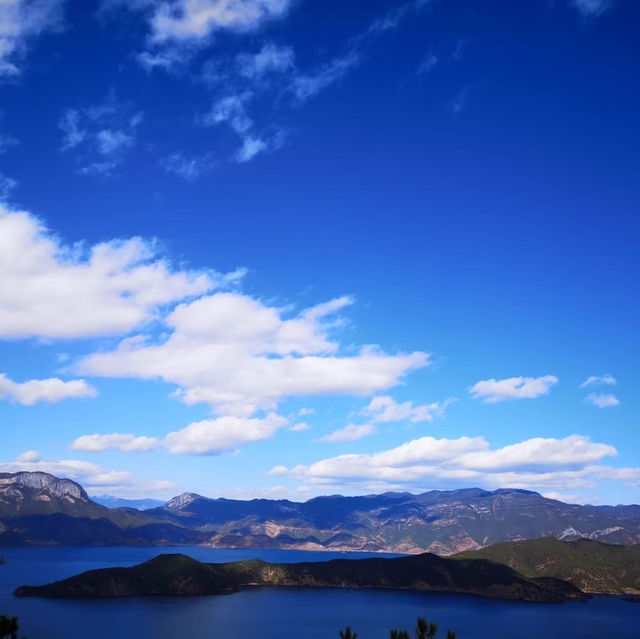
(270,613)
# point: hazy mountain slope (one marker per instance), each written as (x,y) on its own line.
(118,502)
(181,575)
(439,521)
(590,565)
(443,522)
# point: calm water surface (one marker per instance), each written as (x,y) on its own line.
(270,613)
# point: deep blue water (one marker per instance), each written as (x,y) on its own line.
(270,613)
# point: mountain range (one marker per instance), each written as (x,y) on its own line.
(38,508)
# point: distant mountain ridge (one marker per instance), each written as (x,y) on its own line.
(36,508)
(119,502)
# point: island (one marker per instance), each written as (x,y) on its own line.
(178,574)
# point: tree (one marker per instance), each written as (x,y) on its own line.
(348,634)
(425,630)
(8,627)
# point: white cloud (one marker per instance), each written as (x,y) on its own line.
(90,476)
(349,433)
(592,8)
(240,356)
(601,400)
(599,380)
(188,20)
(101,135)
(20,22)
(300,427)
(220,434)
(492,391)
(278,471)
(52,290)
(540,464)
(114,441)
(385,409)
(29,456)
(50,390)
(539,452)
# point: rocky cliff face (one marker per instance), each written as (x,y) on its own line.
(39,493)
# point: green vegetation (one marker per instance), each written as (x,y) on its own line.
(177,574)
(592,566)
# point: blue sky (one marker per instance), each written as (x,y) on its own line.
(284,248)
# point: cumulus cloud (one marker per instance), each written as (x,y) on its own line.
(212,436)
(90,476)
(492,391)
(239,355)
(114,441)
(538,463)
(20,22)
(50,390)
(385,409)
(602,400)
(599,380)
(100,135)
(52,290)
(349,433)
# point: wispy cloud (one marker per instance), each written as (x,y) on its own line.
(100,135)
(349,433)
(492,391)
(114,441)
(7,184)
(253,90)
(188,167)
(21,21)
(598,380)
(385,409)
(602,400)
(592,8)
